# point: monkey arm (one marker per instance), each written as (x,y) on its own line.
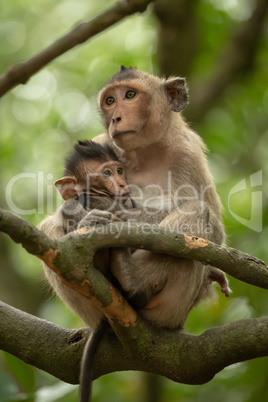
(70,214)
(64,220)
(140,214)
(97,217)
(196,218)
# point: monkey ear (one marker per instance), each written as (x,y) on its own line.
(177,93)
(67,187)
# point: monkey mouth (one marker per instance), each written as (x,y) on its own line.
(119,133)
(122,196)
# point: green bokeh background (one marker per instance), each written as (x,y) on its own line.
(39,123)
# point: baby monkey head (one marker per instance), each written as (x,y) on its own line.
(93,170)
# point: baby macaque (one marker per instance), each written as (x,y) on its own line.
(94,178)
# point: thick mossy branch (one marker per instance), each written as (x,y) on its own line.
(240,265)
(136,346)
(71,257)
(21,231)
(21,72)
(195,359)
(73,262)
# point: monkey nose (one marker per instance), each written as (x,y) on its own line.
(116,119)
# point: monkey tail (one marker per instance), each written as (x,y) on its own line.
(88,359)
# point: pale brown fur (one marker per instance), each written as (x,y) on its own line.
(164,159)
(106,194)
(160,149)
(100,183)
(102,192)
(53,227)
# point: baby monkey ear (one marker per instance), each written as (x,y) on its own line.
(177,93)
(67,187)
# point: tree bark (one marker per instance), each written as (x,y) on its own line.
(177,35)
(71,257)
(195,359)
(136,346)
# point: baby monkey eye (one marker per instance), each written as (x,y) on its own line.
(120,170)
(110,100)
(107,174)
(130,94)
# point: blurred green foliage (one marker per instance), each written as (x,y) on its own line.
(39,123)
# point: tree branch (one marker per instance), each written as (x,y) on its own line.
(74,265)
(240,265)
(71,257)
(21,72)
(136,345)
(195,359)
(177,35)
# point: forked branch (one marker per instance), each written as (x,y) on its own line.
(71,257)
(136,345)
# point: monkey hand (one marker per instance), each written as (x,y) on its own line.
(144,215)
(122,215)
(97,217)
(128,214)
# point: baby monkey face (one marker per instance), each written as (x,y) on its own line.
(107,179)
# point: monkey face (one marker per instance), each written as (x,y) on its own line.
(98,179)
(125,112)
(128,117)
(138,110)
(94,177)
(109,179)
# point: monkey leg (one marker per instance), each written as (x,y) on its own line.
(181,284)
(197,218)
(217,275)
(184,282)
(124,270)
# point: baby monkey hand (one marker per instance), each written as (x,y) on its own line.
(98,217)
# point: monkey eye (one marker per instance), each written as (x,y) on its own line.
(107,174)
(130,94)
(110,100)
(120,170)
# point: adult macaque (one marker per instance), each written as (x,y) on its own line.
(166,169)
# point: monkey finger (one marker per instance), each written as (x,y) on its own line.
(104,215)
(121,215)
(98,219)
(100,213)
